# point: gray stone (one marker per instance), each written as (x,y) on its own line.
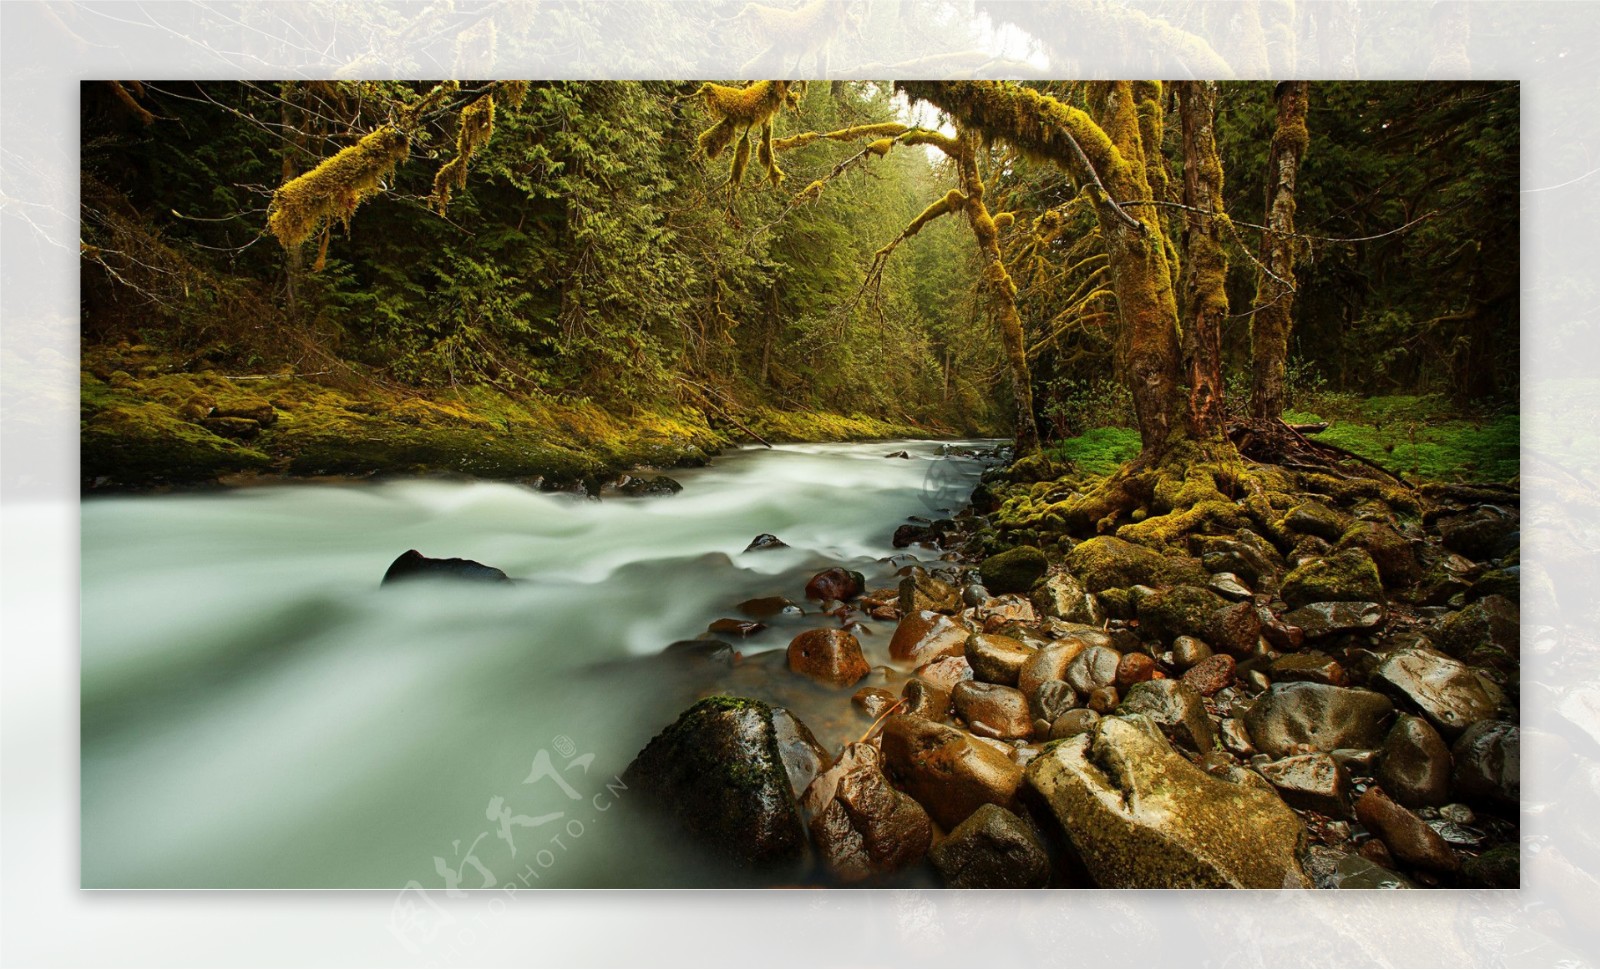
(1447,691)
(1488,763)
(1314,782)
(1093,669)
(992,849)
(1415,769)
(1319,620)
(1229,586)
(1053,699)
(1072,723)
(1176,708)
(1188,651)
(1062,596)
(1288,716)
(1140,815)
(1311,666)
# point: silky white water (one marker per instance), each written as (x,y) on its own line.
(256,712)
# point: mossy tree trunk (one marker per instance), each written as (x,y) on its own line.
(1274,303)
(1205,268)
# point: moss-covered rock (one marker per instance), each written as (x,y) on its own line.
(1107,562)
(1349,576)
(1315,519)
(1178,612)
(1390,551)
(1015,570)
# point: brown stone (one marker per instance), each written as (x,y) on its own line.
(832,657)
(861,826)
(1211,674)
(835,583)
(951,774)
(873,701)
(992,710)
(1409,838)
(1134,668)
(739,628)
(924,635)
(925,700)
(997,659)
(944,673)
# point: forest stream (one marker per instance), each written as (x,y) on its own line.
(258,712)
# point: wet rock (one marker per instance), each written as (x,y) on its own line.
(1312,667)
(1315,519)
(1309,549)
(1234,737)
(1498,868)
(1357,872)
(1483,533)
(1103,700)
(873,701)
(412,564)
(713,650)
(997,659)
(1106,562)
(1134,668)
(1139,815)
(1092,669)
(1211,675)
(1281,635)
(1072,723)
(1445,690)
(765,540)
(1287,716)
(1188,651)
(1488,763)
(767,607)
(993,711)
(1349,576)
(1049,662)
(1179,611)
(1015,570)
(1408,837)
(949,773)
(835,583)
(1228,586)
(860,824)
(1391,552)
(1314,782)
(925,700)
(1062,596)
(647,487)
(1234,629)
(1320,620)
(1245,554)
(924,635)
(1493,621)
(728,626)
(1415,769)
(1376,852)
(1176,709)
(1002,613)
(921,591)
(992,849)
(1052,699)
(974,594)
(911,534)
(717,774)
(897,454)
(944,673)
(831,657)
(803,756)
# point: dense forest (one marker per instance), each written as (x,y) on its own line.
(566,279)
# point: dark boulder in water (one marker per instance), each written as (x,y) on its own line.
(766,540)
(636,487)
(414,565)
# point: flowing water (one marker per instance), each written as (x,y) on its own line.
(256,712)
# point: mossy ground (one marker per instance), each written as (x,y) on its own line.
(144,422)
(1422,438)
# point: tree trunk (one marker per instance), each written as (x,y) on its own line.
(1205,268)
(1270,321)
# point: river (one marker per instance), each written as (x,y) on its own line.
(257,712)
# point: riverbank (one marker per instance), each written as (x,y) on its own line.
(148,421)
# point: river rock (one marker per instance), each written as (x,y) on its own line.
(803,756)
(1393,554)
(717,774)
(1135,668)
(1488,763)
(1070,724)
(1174,707)
(925,700)
(649,486)
(944,673)
(1315,519)
(765,540)
(1416,764)
(728,626)
(831,657)
(1235,738)
(1139,815)
(835,583)
(997,659)
(1447,691)
(1408,837)
(1312,667)
(1053,699)
(412,564)
(1188,651)
(924,635)
(1210,675)
(992,849)
(1177,612)
(1245,555)
(1349,576)
(1320,620)
(1234,629)
(1493,621)
(860,824)
(1314,782)
(1093,669)
(1483,533)
(950,773)
(1062,596)
(767,607)
(873,701)
(1498,868)
(1015,570)
(1049,662)
(911,534)
(1287,716)
(992,710)
(1228,586)
(1103,700)
(921,591)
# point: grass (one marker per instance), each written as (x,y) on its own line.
(1098,450)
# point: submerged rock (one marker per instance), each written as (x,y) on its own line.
(765,540)
(951,774)
(717,774)
(992,849)
(766,607)
(412,564)
(836,583)
(1139,815)
(652,486)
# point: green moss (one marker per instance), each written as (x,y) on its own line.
(1421,437)
(1099,450)
(1014,571)
(1348,576)
(1107,562)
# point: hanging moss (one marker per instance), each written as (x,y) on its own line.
(741,159)
(476,127)
(334,189)
(510,94)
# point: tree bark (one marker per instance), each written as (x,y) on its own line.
(1205,267)
(1271,318)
